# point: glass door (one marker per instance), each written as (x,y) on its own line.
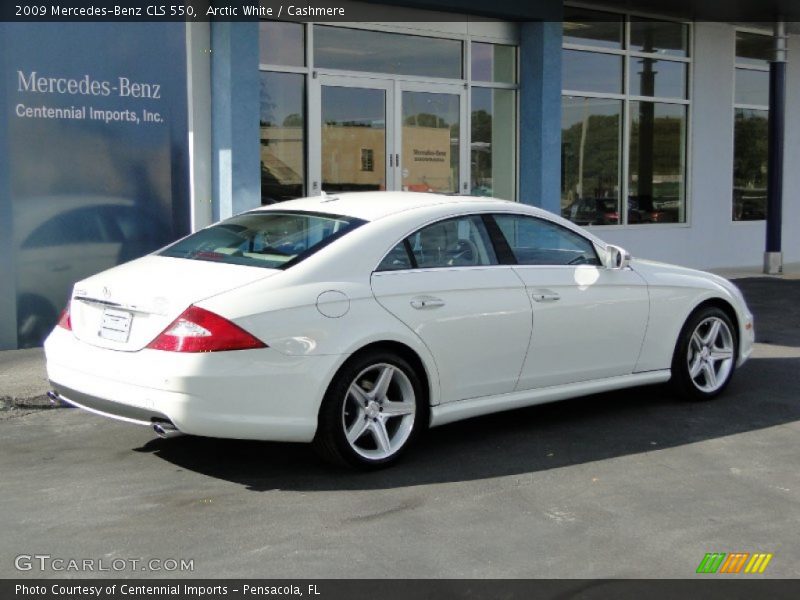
(383,134)
(355,137)
(431,132)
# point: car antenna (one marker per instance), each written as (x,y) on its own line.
(327,198)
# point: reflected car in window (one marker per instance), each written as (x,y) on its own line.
(356,321)
(62,239)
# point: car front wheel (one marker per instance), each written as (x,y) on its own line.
(705,356)
(371,412)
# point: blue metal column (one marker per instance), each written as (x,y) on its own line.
(773,256)
(236,180)
(540,114)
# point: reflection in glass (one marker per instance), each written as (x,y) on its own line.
(282,126)
(62,239)
(754,48)
(752,87)
(340,48)
(660,78)
(494,62)
(592,28)
(661,37)
(431,136)
(657,160)
(282,43)
(353,120)
(493,143)
(590,151)
(750,165)
(591,72)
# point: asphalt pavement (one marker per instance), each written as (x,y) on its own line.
(626,484)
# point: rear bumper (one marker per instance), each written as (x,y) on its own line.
(248,394)
(105,408)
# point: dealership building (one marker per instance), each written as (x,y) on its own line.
(649,126)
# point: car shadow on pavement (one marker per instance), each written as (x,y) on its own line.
(762,394)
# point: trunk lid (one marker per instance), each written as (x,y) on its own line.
(126,307)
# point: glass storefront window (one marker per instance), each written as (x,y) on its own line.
(353,121)
(659,78)
(493,142)
(590,151)
(390,111)
(282,126)
(494,63)
(660,37)
(282,43)
(752,87)
(591,71)
(754,49)
(750,164)
(751,117)
(394,53)
(592,28)
(598,186)
(431,140)
(657,162)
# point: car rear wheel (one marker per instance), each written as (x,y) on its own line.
(705,356)
(371,412)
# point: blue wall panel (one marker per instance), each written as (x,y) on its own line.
(540,114)
(94,157)
(234,117)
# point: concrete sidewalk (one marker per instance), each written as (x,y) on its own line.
(23,379)
(773,299)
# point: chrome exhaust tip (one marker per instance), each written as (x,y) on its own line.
(166,430)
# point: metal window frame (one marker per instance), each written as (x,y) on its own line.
(626,98)
(740,105)
(313,100)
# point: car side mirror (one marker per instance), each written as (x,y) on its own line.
(618,258)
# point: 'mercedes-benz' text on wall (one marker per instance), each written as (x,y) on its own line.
(32,82)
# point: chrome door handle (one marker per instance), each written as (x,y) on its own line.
(544,296)
(421,302)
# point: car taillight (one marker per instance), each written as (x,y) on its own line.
(200,330)
(64,320)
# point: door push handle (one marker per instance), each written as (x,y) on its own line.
(545,296)
(421,302)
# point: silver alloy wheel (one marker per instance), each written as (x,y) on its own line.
(378,412)
(710,355)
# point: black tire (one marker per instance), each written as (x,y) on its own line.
(682,381)
(331,441)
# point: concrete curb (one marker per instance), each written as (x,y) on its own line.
(23,380)
(36,402)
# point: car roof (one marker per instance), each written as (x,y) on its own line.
(371,206)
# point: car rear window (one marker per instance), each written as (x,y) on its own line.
(268,239)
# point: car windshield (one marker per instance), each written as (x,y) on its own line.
(269,239)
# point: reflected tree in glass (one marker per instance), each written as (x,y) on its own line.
(656,161)
(750,165)
(590,151)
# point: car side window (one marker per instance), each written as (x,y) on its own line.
(79,226)
(457,242)
(398,259)
(536,241)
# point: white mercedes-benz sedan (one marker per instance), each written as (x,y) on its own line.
(358,320)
